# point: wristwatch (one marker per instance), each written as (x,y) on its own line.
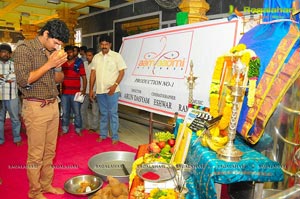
(116,83)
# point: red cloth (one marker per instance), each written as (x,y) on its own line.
(137,181)
(72,155)
(224,192)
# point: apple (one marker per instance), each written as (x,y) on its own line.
(161,144)
(153,147)
(171,142)
(172,150)
(156,149)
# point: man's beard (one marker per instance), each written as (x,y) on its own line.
(4,59)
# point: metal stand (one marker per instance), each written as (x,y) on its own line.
(230,153)
(191,81)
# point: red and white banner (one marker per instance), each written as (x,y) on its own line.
(159,63)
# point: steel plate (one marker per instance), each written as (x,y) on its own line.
(73,184)
(112,164)
(165,171)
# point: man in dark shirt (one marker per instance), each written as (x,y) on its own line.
(37,68)
(74,72)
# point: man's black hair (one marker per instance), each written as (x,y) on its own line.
(68,47)
(76,47)
(57,29)
(84,48)
(92,50)
(106,38)
(6,47)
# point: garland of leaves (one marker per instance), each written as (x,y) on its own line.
(253,74)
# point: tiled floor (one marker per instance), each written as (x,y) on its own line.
(132,133)
(134,126)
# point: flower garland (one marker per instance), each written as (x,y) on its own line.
(215,87)
(253,74)
(249,59)
(214,97)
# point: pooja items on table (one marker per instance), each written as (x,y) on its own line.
(239,65)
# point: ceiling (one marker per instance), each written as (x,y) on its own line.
(13,13)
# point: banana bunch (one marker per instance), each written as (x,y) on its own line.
(204,140)
(148,158)
(213,139)
(216,142)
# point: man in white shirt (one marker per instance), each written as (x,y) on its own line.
(108,71)
(9,97)
(89,109)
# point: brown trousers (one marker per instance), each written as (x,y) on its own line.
(42,130)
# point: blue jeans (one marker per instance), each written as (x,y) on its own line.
(12,107)
(108,105)
(68,103)
(90,114)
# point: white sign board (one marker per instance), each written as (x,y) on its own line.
(159,63)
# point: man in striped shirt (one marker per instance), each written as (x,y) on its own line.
(73,72)
(9,91)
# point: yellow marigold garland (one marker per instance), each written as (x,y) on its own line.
(218,70)
(226,116)
(238,48)
(137,162)
(214,104)
(248,58)
(215,87)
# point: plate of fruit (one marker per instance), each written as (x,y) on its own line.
(163,145)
